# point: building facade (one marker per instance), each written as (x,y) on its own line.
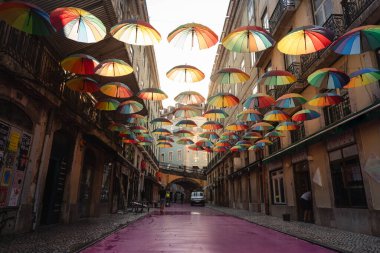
(333,156)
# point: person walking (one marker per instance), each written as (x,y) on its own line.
(182,196)
(306,205)
(162,199)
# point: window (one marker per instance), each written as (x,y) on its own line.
(277,185)
(251,11)
(162,157)
(170,156)
(322,10)
(265,20)
(179,155)
(347,178)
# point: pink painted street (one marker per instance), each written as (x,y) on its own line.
(198,229)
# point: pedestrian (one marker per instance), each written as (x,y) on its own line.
(182,196)
(162,199)
(306,205)
(167,198)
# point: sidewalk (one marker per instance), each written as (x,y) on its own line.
(338,240)
(67,237)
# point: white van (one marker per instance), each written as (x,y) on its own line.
(197,198)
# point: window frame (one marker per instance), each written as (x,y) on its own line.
(278,194)
(170,156)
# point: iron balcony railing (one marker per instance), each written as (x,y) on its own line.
(298,134)
(295,69)
(352,9)
(279,12)
(337,112)
(183,170)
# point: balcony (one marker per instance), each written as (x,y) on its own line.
(337,112)
(280,12)
(352,9)
(298,134)
(276,146)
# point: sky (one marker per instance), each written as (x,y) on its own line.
(165,16)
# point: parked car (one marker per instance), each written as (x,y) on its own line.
(197,198)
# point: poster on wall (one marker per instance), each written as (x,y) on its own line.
(16,188)
(6,177)
(23,156)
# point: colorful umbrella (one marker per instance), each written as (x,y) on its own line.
(209,135)
(165,139)
(134,118)
(238,148)
(152,94)
(130,139)
(359,40)
(186,123)
(255,147)
(136,32)
(80,64)
(130,107)
(276,115)
(264,142)
(194,147)
(138,129)
(186,112)
(237,126)
(222,100)
(193,35)
(107,105)
(277,77)
(183,133)
(262,126)
(305,40)
(248,39)
(244,143)
(219,149)
(215,114)
(249,115)
(77,24)
(82,84)
(185,141)
(116,90)
(305,114)
(363,77)
(290,100)
(325,99)
(223,143)
(113,68)
(145,139)
(274,134)
(252,135)
(229,136)
(204,143)
(117,127)
(287,126)
(161,121)
(145,143)
(161,131)
(189,98)
(164,145)
(26,17)
(230,76)
(211,125)
(258,100)
(328,78)
(185,74)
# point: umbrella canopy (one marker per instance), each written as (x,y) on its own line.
(209,135)
(248,39)
(186,123)
(237,126)
(262,126)
(255,147)
(274,134)
(186,112)
(219,149)
(194,147)
(189,98)
(363,77)
(211,125)
(264,142)
(230,76)
(229,136)
(130,107)
(325,99)
(183,133)
(134,118)
(222,100)
(287,126)
(204,143)
(83,84)
(138,129)
(107,105)
(117,127)
(152,94)
(252,135)
(77,24)
(145,143)
(26,17)
(161,131)
(161,121)
(185,141)
(305,114)
(328,78)
(359,40)
(136,32)
(116,90)
(290,100)
(130,139)
(238,148)
(215,114)
(258,100)
(164,145)
(193,35)
(249,115)
(185,74)
(165,139)
(223,143)
(277,77)
(113,68)
(276,115)
(244,143)
(81,64)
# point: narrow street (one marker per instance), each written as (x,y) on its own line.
(199,229)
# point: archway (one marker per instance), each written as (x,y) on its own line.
(188,186)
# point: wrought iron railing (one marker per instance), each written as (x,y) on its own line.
(352,9)
(279,12)
(337,112)
(183,170)
(299,134)
(295,69)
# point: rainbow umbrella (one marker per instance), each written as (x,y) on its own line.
(164,145)
(363,77)
(229,136)
(116,90)
(77,24)
(26,17)
(117,127)
(255,147)
(328,78)
(130,140)
(165,139)
(290,100)
(264,142)
(211,125)
(186,112)
(325,99)
(305,114)
(152,94)
(107,104)
(258,100)
(195,147)
(223,143)
(230,76)
(261,145)
(113,68)
(248,39)
(183,133)
(186,123)
(215,114)
(209,135)
(161,121)
(138,129)
(83,84)
(305,40)
(219,149)
(130,107)
(161,131)
(134,118)
(185,74)
(359,40)
(252,135)
(287,126)
(277,77)
(238,148)
(80,64)
(185,141)
(204,143)
(189,98)
(262,126)
(274,134)
(192,35)
(136,32)
(222,100)
(276,115)
(237,126)
(244,143)
(249,115)
(145,143)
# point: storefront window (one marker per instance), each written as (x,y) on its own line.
(104,197)
(277,184)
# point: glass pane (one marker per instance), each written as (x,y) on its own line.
(317,3)
(328,8)
(350,151)
(335,155)
(282,190)
(319,17)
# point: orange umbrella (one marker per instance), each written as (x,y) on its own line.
(116,90)
(185,74)
(113,68)
(222,100)
(82,84)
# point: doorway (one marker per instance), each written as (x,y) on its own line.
(302,184)
(87,177)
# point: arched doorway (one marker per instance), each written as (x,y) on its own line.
(87,178)
(188,186)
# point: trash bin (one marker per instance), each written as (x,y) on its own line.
(286,217)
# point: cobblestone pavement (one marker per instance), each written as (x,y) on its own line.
(339,240)
(66,237)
